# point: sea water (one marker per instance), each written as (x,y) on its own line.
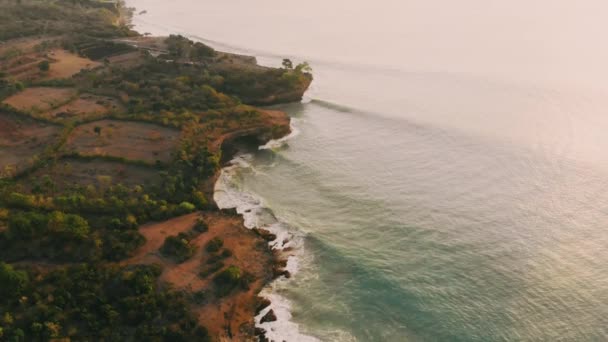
(447,178)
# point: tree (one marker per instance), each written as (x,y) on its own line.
(97,130)
(178,248)
(11,282)
(44,66)
(287,63)
(71,226)
(303,67)
(230,275)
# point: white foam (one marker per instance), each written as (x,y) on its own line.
(278,143)
(229,194)
(283,329)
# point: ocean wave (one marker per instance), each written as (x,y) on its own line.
(229,193)
(278,143)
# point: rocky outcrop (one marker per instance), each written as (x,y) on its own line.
(269,317)
(287,96)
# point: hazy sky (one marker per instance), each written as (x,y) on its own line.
(557,40)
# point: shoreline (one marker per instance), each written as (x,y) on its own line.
(277,264)
(287,246)
(221,285)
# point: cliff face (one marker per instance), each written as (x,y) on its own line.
(286,95)
(274,124)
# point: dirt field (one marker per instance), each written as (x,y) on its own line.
(41,99)
(129,140)
(85,106)
(19,58)
(249,253)
(65,64)
(69,172)
(21,140)
(23,45)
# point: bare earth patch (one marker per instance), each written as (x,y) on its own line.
(22,67)
(85,106)
(229,316)
(21,140)
(19,58)
(70,172)
(124,139)
(40,99)
(65,64)
(21,45)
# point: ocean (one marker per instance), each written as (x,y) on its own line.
(447,174)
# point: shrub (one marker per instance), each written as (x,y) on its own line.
(211,269)
(178,248)
(199,199)
(200,226)
(44,66)
(214,245)
(11,282)
(186,207)
(230,276)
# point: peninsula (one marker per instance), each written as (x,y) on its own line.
(110,145)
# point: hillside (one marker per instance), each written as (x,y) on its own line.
(110,143)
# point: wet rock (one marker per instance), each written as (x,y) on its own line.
(262,304)
(264,234)
(281,272)
(269,317)
(229,212)
(261,335)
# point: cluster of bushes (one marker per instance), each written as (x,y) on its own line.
(178,248)
(96,49)
(254,86)
(230,279)
(30,18)
(8,88)
(215,261)
(112,216)
(55,235)
(200,226)
(160,86)
(100,302)
(183,48)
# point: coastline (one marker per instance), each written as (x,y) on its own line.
(255,308)
(206,139)
(285,243)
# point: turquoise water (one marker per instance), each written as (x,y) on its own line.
(439,185)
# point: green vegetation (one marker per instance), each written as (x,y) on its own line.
(214,245)
(12,282)
(94,303)
(30,18)
(231,278)
(178,248)
(201,226)
(62,233)
(180,47)
(44,66)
